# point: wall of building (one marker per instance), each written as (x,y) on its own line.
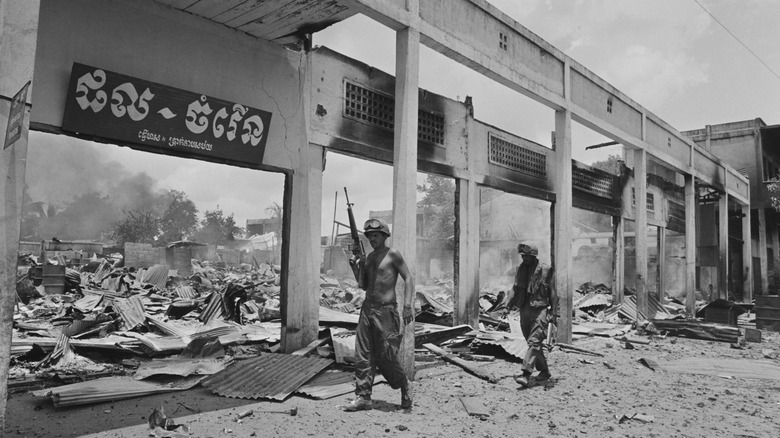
(148,41)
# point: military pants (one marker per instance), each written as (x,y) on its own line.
(377,344)
(533,323)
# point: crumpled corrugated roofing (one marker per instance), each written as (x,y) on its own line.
(273,376)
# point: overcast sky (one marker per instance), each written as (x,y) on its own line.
(670,56)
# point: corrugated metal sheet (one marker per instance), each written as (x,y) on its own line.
(156,275)
(343,345)
(593,299)
(332,383)
(514,345)
(282,21)
(132,311)
(273,376)
(214,309)
(186,292)
(627,309)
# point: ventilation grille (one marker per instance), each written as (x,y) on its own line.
(378,109)
(516,157)
(594,181)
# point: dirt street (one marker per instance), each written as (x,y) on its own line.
(610,396)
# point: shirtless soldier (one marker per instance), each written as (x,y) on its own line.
(378,333)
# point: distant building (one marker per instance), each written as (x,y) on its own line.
(753,149)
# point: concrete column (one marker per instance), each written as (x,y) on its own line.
(762,251)
(302,216)
(18,37)
(467,254)
(562,220)
(619,273)
(661,262)
(690,244)
(407,69)
(747,257)
(640,188)
(773,231)
(723,246)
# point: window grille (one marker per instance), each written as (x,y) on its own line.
(516,157)
(594,182)
(378,109)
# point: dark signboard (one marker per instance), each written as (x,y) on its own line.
(16,117)
(119,107)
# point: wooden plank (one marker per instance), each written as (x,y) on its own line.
(312,346)
(470,368)
(212,8)
(475,406)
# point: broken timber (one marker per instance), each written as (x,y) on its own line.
(577,349)
(472,369)
(698,330)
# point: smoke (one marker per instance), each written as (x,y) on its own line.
(61,168)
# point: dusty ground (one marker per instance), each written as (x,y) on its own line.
(585,398)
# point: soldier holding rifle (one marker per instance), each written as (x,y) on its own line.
(379,333)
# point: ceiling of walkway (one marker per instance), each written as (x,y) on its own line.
(285,22)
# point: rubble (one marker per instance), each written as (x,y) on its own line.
(133,332)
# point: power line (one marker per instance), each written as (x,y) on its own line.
(738,40)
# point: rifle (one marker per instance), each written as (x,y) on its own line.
(357,245)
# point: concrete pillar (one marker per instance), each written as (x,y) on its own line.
(762,250)
(661,263)
(690,244)
(562,220)
(302,215)
(723,246)
(407,69)
(773,231)
(18,37)
(467,253)
(747,257)
(619,272)
(640,189)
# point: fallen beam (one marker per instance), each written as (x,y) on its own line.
(470,368)
(698,330)
(577,349)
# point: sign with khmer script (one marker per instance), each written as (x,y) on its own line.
(114,106)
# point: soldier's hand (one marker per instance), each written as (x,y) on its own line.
(408,315)
(552,318)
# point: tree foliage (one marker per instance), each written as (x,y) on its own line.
(137,226)
(216,228)
(179,220)
(612,164)
(439,206)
